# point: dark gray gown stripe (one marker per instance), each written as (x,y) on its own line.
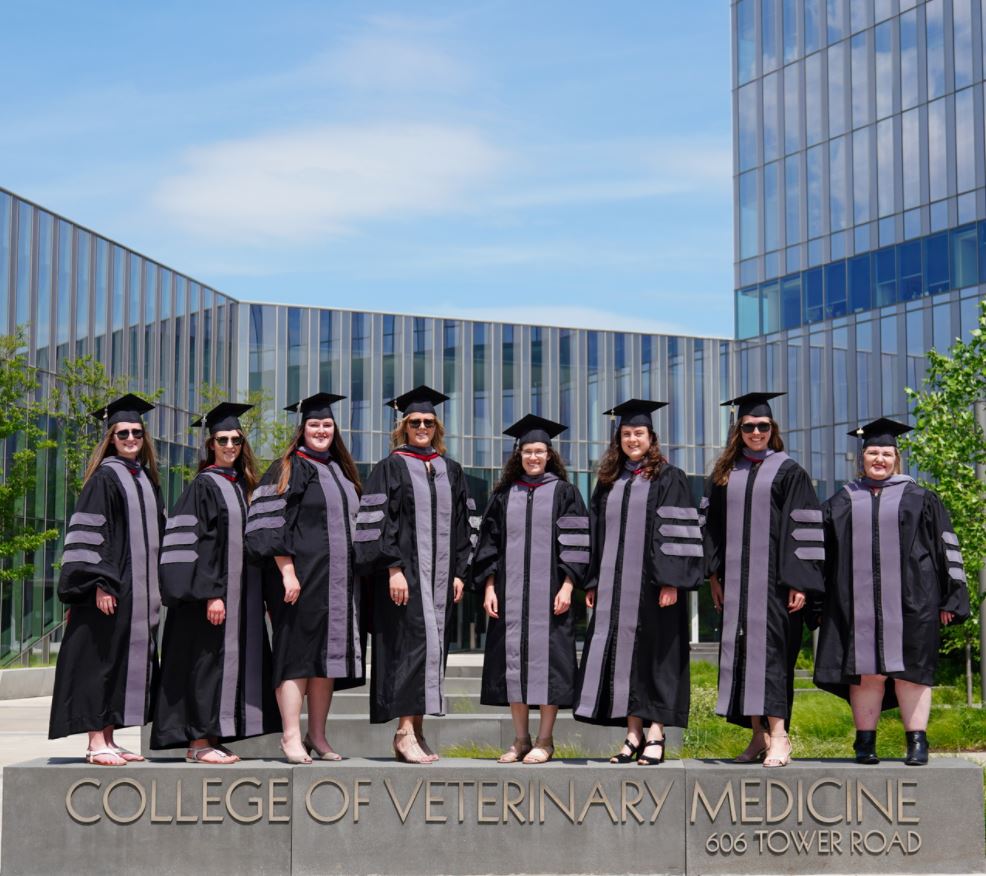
(758,586)
(253,657)
(265,523)
(676,530)
(169,557)
(891,594)
(950,538)
(173,538)
(573,522)
(576,539)
(372,499)
(513,595)
(539,608)
(592,677)
(731,580)
(952,556)
(138,651)
(575,557)
(180,520)
(84,518)
(863,604)
(806,515)
(424,536)
(81,555)
(679,549)
(630,584)
(675,512)
(234,583)
(443,556)
(264,490)
(339,526)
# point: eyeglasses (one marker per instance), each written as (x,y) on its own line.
(226,440)
(750,428)
(421,424)
(124,434)
(537,453)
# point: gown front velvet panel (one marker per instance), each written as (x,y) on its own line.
(532,537)
(763,536)
(107,664)
(645,535)
(215,679)
(319,636)
(413,516)
(892,565)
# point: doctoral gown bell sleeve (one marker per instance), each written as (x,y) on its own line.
(193,535)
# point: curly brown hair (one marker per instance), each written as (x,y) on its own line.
(146,456)
(398,435)
(246,463)
(734,450)
(614,458)
(513,468)
(337,452)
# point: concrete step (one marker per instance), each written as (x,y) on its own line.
(355,736)
(358,703)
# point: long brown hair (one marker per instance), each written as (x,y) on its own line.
(338,452)
(513,468)
(145,456)
(246,463)
(734,450)
(398,436)
(614,458)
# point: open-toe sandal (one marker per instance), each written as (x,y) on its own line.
(406,748)
(635,749)
(518,750)
(784,759)
(91,756)
(314,750)
(647,760)
(542,752)
(200,755)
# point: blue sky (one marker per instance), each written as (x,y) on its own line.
(563,162)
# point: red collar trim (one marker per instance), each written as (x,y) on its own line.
(215,470)
(531,486)
(423,457)
(304,455)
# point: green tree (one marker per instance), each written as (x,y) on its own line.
(945,447)
(23,438)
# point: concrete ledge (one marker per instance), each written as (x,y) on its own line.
(18,684)
(354,736)
(468,817)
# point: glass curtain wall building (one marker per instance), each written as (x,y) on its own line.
(859,205)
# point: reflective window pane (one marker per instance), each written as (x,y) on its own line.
(791,35)
(6,209)
(792,199)
(937,151)
(836,19)
(814,22)
(838,185)
(815,157)
(769,12)
(859,15)
(838,97)
(746,41)
(771,219)
(885,154)
(748,126)
(771,120)
(911,158)
(935,42)
(963,37)
(861,175)
(749,215)
(814,120)
(884,50)
(908,59)
(963,248)
(792,108)
(860,285)
(748,312)
(965,140)
(860,80)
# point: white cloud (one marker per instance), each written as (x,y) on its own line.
(312,183)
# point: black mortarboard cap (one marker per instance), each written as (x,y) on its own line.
(531,428)
(881,433)
(316,407)
(127,408)
(636,412)
(420,400)
(224,417)
(753,404)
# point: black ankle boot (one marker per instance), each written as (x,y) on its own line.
(865,747)
(917,747)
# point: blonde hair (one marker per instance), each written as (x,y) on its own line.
(398,436)
(145,456)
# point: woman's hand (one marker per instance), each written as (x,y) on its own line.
(795,600)
(399,592)
(458,588)
(667,597)
(590,598)
(717,594)
(292,587)
(215,611)
(563,598)
(105,602)
(490,604)
(946,617)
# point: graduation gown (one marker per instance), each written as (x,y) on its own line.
(319,636)
(763,536)
(645,535)
(892,563)
(533,535)
(215,680)
(107,664)
(417,520)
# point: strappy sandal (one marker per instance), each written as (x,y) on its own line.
(423,745)
(518,750)
(409,752)
(312,749)
(752,756)
(104,752)
(198,755)
(644,760)
(635,750)
(785,759)
(542,752)
(128,756)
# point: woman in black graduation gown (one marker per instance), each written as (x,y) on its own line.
(764,551)
(533,549)
(893,575)
(215,658)
(107,664)
(301,524)
(646,553)
(413,534)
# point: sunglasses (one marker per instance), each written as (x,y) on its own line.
(421,424)
(226,440)
(750,428)
(124,434)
